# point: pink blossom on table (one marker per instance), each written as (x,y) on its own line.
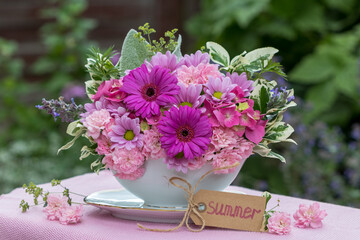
(138,173)
(152,146)
(309,216)
(126,133)
(55,203)
(279,223)
(96,122)
(124,161)
(190,95)
(218,90)
(111,90)
(167,60)
(228,116)
(197,75)
(229,156)
(71,214)
(223,138)
(196,59)
(241,81)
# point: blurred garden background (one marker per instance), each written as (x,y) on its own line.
(43,47)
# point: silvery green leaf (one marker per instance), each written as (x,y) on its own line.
(261,52)
(218,54)
(91,87)
(133,52)
(177,50)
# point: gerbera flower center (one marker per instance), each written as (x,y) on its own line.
(129,135)
(149,92)
(186,104)
(218,95)
(185,133)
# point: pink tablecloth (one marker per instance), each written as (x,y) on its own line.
(341,223)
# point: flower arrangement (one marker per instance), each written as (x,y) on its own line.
(190,110)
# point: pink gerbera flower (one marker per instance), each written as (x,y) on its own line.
(148,91)
(190,96)
(126,133)
(241,81)
(218,90)
(184,132)
(167,60)
(196,59)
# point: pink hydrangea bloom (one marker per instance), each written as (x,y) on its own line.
(197,75)
(229,156)
(152,146)
(54,205)
(71,214)
(96,122)
(123,161)
(279,223)
(228,116)
(309,216)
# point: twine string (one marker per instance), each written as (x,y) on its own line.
(192,206)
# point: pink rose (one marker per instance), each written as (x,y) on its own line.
(309,216)
(279,223)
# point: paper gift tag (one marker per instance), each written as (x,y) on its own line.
(230,210)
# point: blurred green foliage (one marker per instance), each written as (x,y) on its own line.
(29,139)
(319,43)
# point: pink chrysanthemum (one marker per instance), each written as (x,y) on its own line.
(241,81)
(148,91)
(190,96)
(168,61)
(184,132)
(309,216)
(196,59)
(123,161)
(126,133)
(152,146)
(55,203)
(279,223)
(218,90)
(71,214)
(197,75)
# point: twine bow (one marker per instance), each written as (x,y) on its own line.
(192,206)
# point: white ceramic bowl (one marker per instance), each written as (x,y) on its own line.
(156,190)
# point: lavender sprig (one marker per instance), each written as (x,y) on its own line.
(279,98)
(67,112)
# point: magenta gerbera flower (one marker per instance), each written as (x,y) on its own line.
(126,133)
(185,132)
(148,91)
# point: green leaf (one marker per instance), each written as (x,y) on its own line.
(321,97)
(218,54)
(256,54)
(264,99)
(177,50)
(91,87)
(133,52)
(314,68)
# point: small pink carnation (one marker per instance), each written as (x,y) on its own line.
(103,144)
(197,163)
(124,161)
(96,122)
(279,223)
(223,138)
(138,173)
(152,146)
(309,216)
(197,75)
(70,214)
(54,204)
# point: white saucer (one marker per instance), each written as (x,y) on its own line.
(123,204)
